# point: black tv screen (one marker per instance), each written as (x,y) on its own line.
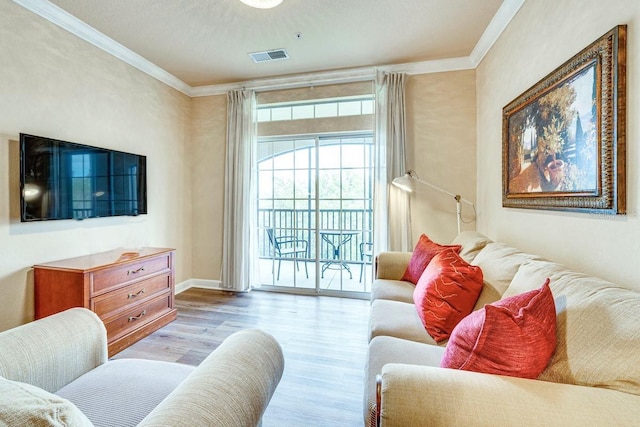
(65,180)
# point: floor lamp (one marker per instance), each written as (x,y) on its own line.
(405,183)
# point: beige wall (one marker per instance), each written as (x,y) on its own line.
(54,84)
(543,35)
(209,134)
(441,126)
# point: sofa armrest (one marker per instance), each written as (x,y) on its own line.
(53,351)
(231,387)
(419,395)
(392,265)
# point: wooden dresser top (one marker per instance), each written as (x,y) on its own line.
(104,259)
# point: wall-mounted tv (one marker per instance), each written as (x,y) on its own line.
(65,180)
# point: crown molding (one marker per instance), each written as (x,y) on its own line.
(500,21)
(63,19)
(433,66)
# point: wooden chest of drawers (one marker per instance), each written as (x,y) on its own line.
(132,292)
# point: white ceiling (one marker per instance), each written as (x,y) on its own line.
(206,42)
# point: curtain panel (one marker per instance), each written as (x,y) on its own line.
(239,238)
(392,219)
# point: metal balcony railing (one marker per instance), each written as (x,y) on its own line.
(302,224)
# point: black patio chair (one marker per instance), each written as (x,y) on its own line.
(366,256)
(288,247)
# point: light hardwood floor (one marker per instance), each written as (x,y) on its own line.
(324,340)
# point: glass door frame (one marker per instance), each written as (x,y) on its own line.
(314,209)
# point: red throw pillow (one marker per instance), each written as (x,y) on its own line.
(446,292)
(422,255)
(515,336)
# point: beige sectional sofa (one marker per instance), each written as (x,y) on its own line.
(593,377)
(54,372)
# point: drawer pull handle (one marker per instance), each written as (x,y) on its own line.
(140,292)
(135,271)
(132,318)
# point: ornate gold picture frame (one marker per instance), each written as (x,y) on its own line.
(563,140)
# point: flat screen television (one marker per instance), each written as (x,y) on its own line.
(65,180)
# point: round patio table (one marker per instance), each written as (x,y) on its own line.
(336,239)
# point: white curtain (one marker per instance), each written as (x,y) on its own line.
(239,240)
(392,219)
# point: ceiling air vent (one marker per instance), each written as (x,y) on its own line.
(269,55)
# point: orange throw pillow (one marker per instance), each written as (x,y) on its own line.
(446,292)
(422,255)
(515,336)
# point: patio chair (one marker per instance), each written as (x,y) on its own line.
(288,247)
(366,256)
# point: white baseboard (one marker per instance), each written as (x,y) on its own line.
(202,284)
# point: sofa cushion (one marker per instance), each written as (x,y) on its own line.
(533,272)
(446,292)
(395,290)
(23,404)
(515,336)
(383,350)
(598,329)
(123,391)
(499,263)
(397,319)
(422,255)
(472,243)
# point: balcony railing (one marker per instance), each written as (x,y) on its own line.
(302,224)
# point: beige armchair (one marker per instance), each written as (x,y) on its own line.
(65,357)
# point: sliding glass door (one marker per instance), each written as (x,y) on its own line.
(315,213)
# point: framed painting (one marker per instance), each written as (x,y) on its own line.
(563,140)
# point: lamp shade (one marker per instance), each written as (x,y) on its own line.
(404,182)
(262,4)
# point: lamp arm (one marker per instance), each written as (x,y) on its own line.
(459,200)
(455,196)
